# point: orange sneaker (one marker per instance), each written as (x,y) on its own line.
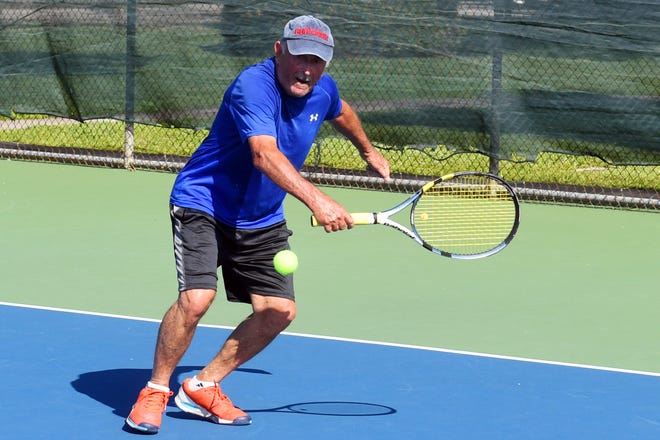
(210,403)
(147,412)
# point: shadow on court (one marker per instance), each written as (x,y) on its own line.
(102,385)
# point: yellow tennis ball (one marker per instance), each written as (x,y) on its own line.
(285,262)
(424,216)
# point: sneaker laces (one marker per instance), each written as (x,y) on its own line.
(220,400)
(156,400)
(219,394)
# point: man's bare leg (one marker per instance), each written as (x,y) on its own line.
(271,316)
(177,330)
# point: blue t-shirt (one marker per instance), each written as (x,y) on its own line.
(220,178)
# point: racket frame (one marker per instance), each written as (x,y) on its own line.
(383,217)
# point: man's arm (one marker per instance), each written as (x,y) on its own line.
(348,124)
(269,160)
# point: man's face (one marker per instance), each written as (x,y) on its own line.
(297,74)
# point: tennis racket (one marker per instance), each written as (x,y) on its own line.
(463,215)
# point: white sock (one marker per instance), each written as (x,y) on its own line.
(196,383)
(155,386)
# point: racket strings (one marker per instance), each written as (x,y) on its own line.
(466,215)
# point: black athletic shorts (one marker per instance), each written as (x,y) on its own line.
(202,245)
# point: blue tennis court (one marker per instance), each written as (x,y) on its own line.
(71,375)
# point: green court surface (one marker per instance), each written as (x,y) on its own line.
(577,285)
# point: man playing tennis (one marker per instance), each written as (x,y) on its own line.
(227,211)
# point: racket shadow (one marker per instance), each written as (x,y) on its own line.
(332,408)
(327,409)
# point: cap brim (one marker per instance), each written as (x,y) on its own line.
(307,47)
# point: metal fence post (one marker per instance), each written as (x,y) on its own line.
(496,87)
(129,133)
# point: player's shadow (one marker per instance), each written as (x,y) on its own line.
(118,388)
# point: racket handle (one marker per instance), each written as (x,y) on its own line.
(360,218)
(364,218)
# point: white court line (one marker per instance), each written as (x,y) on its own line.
(358,341)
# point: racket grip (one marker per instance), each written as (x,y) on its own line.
(360,218)
(364,218)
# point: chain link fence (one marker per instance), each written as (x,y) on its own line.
(561,98)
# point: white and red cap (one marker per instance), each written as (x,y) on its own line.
(307,35)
